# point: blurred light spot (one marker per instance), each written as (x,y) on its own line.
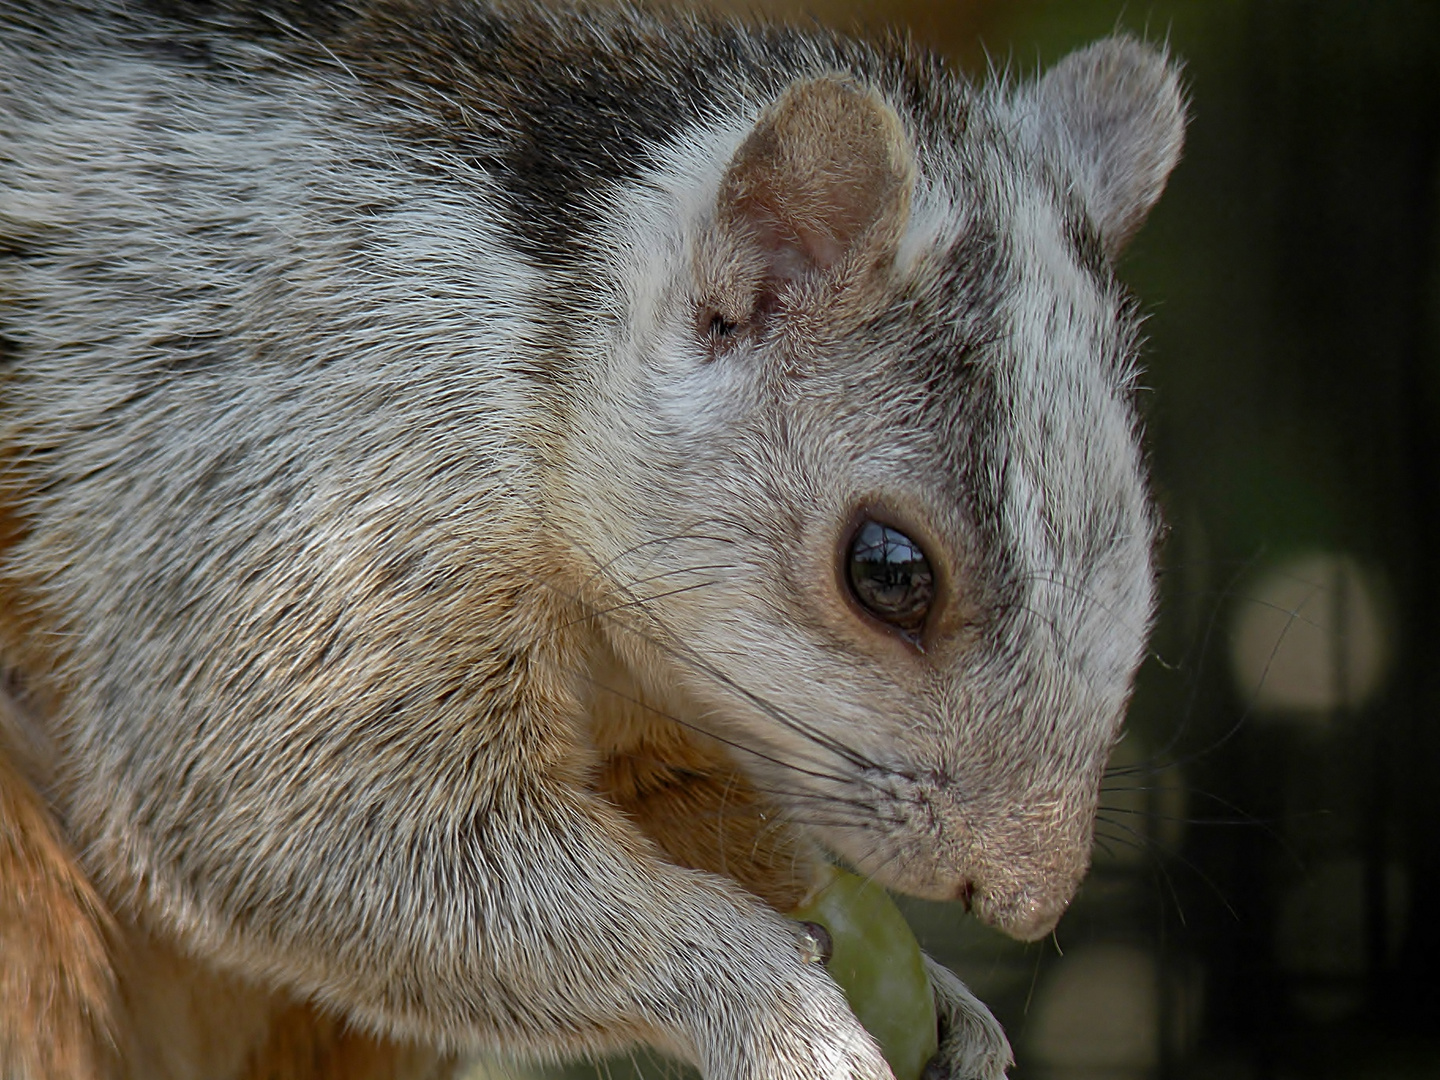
(1097,1015)
(1310,637)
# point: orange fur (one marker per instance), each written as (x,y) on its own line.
(83,995)
(65,1003)
(307,1045)
(58,984)
(703,813)
(57,981)
(684,791)
(25,644)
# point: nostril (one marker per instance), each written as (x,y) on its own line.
(965,894)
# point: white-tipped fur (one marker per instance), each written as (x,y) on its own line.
(402,457)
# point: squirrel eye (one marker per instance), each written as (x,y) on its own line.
(890,576)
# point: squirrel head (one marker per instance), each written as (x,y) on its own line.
(864,467)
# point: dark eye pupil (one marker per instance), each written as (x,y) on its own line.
(890,576)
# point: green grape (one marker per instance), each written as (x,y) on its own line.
(876,960)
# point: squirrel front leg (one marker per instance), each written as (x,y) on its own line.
(444,875)
(566,936)
(973,1045)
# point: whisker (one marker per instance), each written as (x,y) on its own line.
(604,568)
(631,699)
(1244,818)
(682,570)
(694,662)
(1169,881)
(837,800)
(1152,816)
(781,716)
(1102,842)
(1170,852)
(851,824)
(639,601)
(1059,577)
(1167,751)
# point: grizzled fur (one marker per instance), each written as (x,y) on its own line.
(432,434)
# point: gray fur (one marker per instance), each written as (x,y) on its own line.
(357,405)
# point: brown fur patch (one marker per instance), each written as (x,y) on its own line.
(57,983)
(697,807)
(305,1044)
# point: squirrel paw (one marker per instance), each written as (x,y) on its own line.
(972,1043)
(806,1032)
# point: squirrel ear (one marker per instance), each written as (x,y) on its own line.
(826,173)
(1114,114)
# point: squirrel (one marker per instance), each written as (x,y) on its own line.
(495,496)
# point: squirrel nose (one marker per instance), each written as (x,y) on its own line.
(1023,909)
(1028,920)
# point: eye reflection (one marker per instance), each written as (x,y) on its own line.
(890,576)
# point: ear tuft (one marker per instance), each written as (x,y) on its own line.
(1114,114)
(825,173)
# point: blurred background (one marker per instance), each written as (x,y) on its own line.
(1265,901)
